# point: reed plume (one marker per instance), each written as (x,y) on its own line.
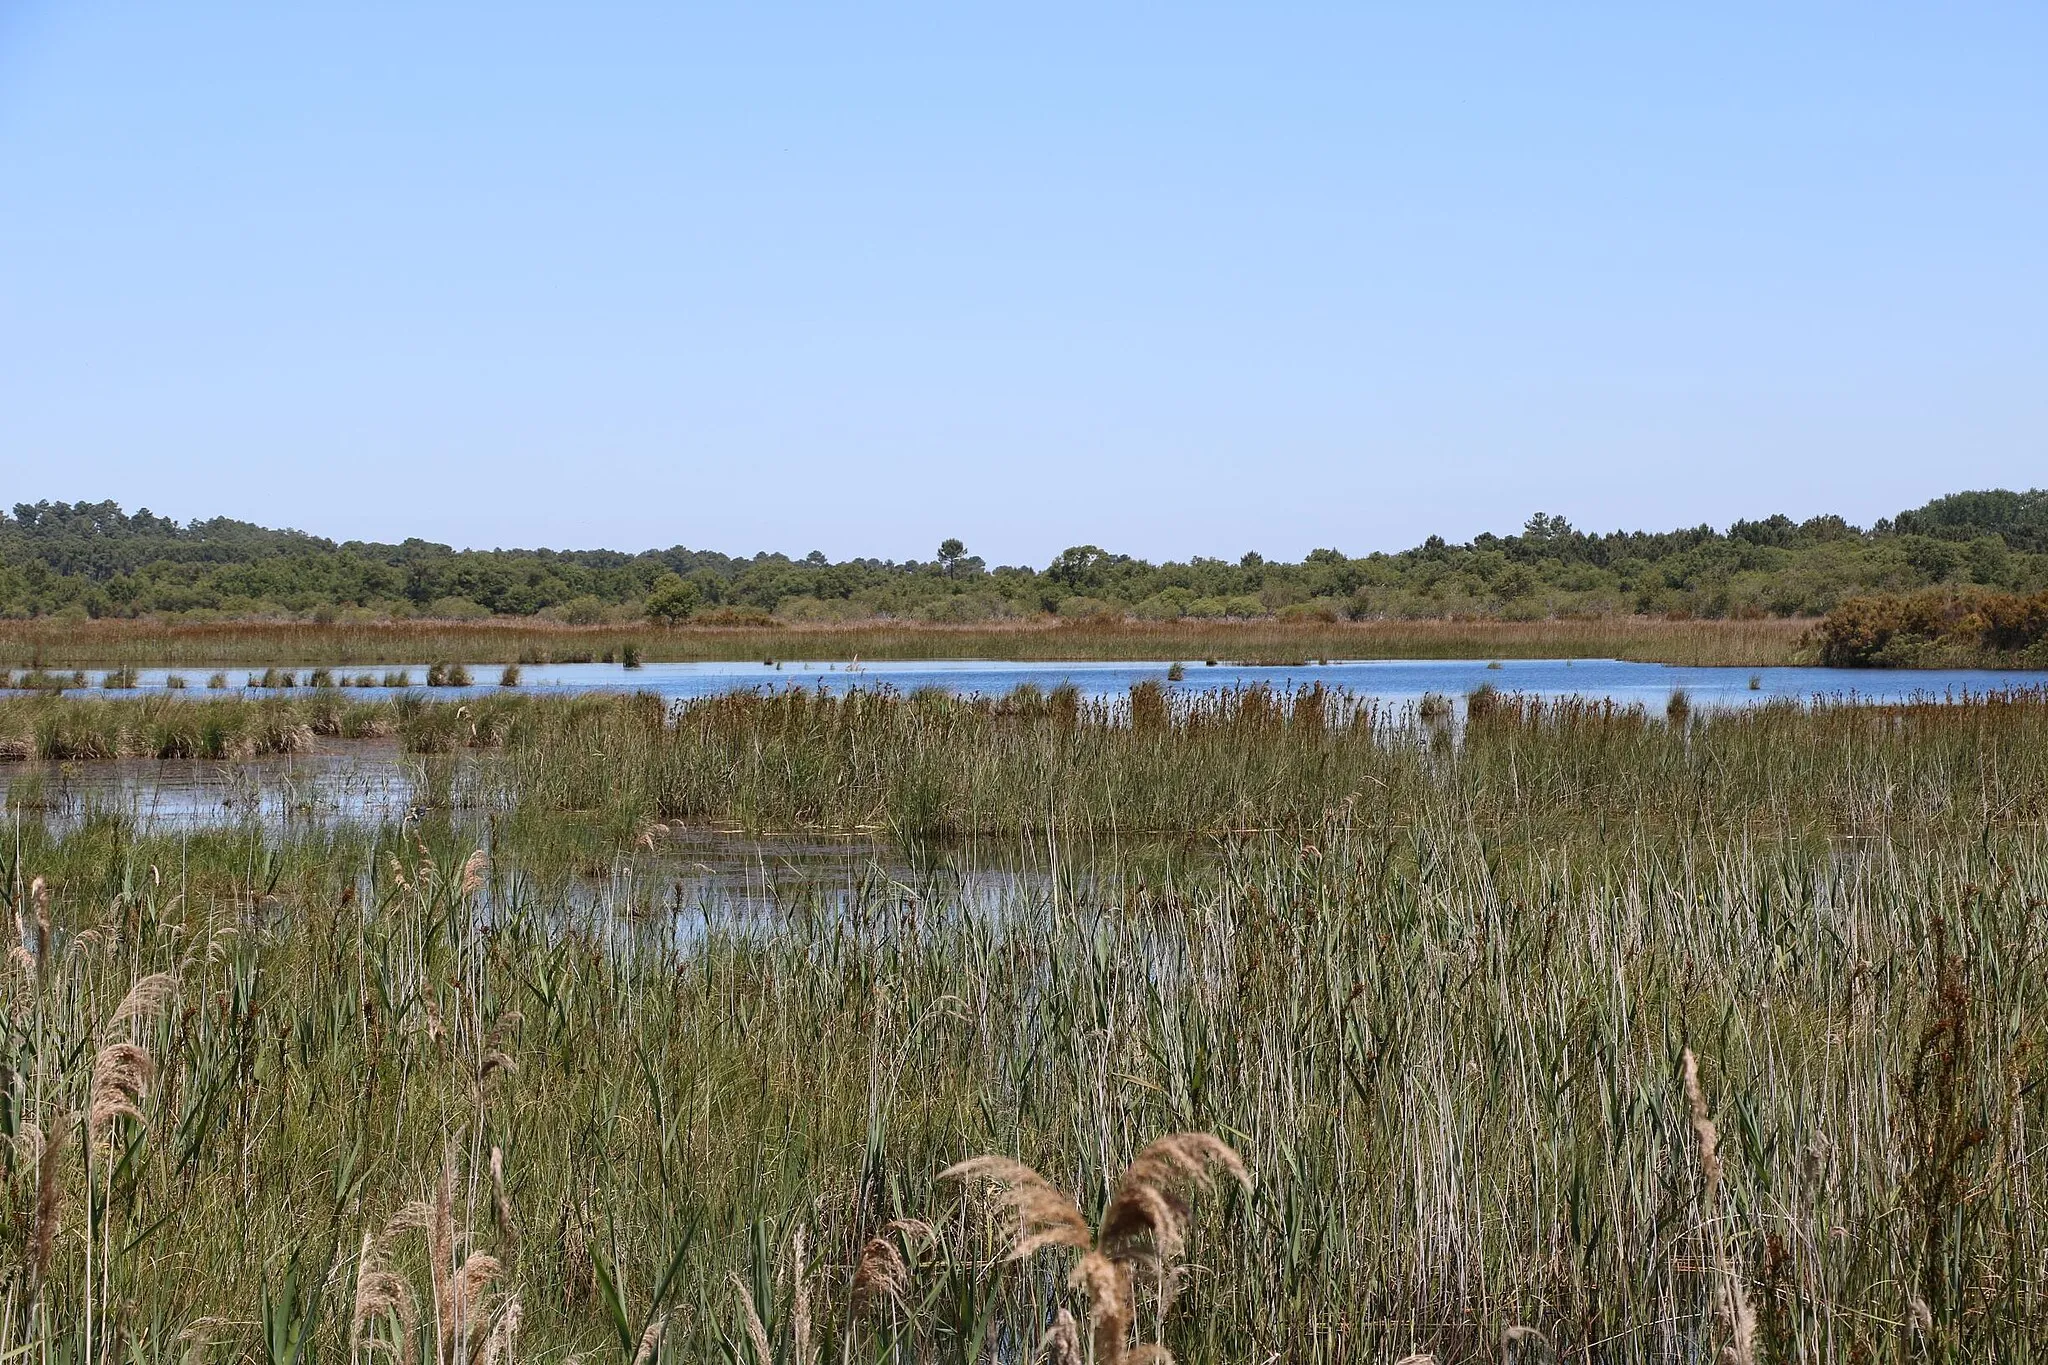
(1145,1226)
(882,1274)
(381,1293)
(503,1345)
(120,1073)
(750,1320)
(800,1300)
(650,1340)
(501,1204)
(144,1001)
(32,946)
(49,1211)
(474,870)
(1061,1344)
(1731,1300)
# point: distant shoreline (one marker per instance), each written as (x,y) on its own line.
(44,643)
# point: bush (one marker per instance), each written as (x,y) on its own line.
(965,608)
(735,616)
(1087,609)
(807,608)
(458,609)
(1168,604)
(582,611)
(2010,622)
(1901,631)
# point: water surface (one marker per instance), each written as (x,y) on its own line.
(1394,681)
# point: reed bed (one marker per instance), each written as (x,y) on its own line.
(1574,1031)
(145,643)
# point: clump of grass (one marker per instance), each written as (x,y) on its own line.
(37,680)
(629,654)
(119,679)
(320,677)
(216,681)
(175,682)
(397,677)
(510,676)
(1176,672)
(1679,707)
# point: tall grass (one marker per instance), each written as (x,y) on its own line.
(1573,1032)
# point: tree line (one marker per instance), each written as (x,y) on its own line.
(96,560)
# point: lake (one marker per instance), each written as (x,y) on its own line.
(1390,680)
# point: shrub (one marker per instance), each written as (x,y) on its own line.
(1869,632)
(1087,609)
(458,609)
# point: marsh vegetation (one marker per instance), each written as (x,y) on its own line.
(1558,1029)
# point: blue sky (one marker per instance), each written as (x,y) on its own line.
(1173,279)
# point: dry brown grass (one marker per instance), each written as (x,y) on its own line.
(255,643)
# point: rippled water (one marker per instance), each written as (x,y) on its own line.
(1390,680)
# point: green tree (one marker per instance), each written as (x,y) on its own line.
(671,599)
(951,551)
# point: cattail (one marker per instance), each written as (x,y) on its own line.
(474,870)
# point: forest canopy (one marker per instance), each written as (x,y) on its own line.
(97,560)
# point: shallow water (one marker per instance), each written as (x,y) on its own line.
(677,876)
(1394,681)
(358,782)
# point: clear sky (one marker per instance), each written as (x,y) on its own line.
(1174,279)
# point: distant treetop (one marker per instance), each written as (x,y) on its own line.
(94,559)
